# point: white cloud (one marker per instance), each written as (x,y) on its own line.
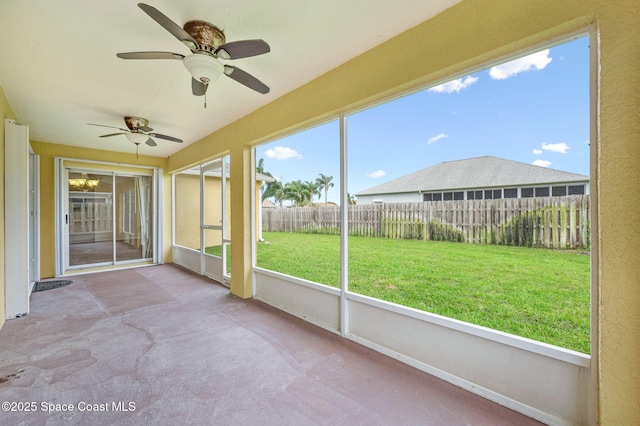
(436,138)
(542,163)
(282,153)
(377,174)
(537,61)
(537,151)
(454,85)
(561,147)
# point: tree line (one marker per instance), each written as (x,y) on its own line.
(300,193)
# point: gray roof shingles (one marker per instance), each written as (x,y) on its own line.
(480,172)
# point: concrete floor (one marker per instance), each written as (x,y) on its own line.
(175,348)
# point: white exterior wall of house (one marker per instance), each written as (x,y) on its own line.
(402,197)
(412,197)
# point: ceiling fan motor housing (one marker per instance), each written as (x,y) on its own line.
(134,123)
(207,36)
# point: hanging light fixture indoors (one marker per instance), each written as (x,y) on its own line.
(84,183)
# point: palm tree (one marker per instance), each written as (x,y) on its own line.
(296,192)
(324,183)
(274,190)
(270,188)
(260,167)
(279,194)
(313,188)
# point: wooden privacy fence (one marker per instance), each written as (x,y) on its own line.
(550,222)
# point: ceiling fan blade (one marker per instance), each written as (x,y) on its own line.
(145,129)
(151,142)
(150,55)
(113,134)
(169,25)
(242,49)
(169,138)
(245,78)
(111,127)
(198,88)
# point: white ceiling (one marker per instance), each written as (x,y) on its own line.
(59,70)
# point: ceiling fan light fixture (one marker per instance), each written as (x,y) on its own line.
(203,68)
(137,138)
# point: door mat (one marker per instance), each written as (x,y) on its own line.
(50,285)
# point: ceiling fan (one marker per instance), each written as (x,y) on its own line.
(207,44)
(138,131)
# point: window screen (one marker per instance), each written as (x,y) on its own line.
(576,189)
(511,193)
(542,191)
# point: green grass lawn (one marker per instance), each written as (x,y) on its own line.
(536,293)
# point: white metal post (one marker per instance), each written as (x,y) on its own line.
(344,230)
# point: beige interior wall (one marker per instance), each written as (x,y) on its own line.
(472,34)
(47,153)
(5,112)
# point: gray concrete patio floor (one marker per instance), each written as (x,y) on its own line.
(172,348)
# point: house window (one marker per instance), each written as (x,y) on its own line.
(458,195)
(427,197)
(526,192)
(511,193)
(497,193)
(479,195)
(558,191)
(576,189)
(488,194)
(542,191)
(470,195)
(437,196)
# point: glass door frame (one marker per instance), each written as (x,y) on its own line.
(69,218)
(61,193)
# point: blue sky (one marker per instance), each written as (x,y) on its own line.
(534,109)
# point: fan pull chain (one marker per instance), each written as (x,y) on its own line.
(137,146)
(205,100)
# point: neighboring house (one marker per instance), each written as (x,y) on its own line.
(476,179)
(266,204)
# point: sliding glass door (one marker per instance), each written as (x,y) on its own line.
(90,218)
(109,218)
(133,218)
